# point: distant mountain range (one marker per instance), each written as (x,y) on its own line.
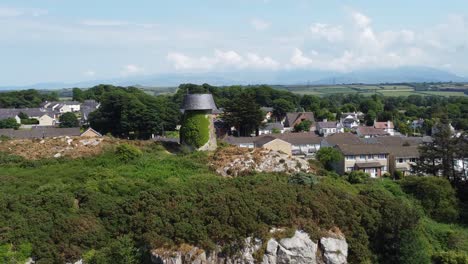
(290,77)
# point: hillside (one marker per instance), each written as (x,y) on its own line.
(120,205)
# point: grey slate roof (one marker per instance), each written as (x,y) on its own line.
(198,102)
(271,126)
(403,151)
(361,149)
(41,132)
(31,112)
(367,130)
(329,124)
(7,113)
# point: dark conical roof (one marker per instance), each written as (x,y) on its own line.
(198,102)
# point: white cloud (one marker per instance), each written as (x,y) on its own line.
(103,23)
(328,32)
(221,60)
(299,60)
(10,12)
(89,73)
(259,24)
(360,19)
(131,69)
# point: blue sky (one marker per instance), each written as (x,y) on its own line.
(71,41)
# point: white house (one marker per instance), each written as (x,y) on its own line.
(326,128)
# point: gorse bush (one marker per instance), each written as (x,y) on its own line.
(127,152)
(358,177)
(436,196)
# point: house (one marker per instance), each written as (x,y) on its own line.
(268,113)
(6,113)
(370,158)
(402,158)
(62,106)
(369,132)
(270,128)
(417,124)
(273,143)
(295,118)
(306,144)
(302,143)
(90,133)
(43,116)
(351,120)
(326,128)
(87,107)
(385,126)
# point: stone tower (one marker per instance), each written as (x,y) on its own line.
(197,130)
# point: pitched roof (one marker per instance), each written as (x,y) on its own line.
(263,140)
(361,149)
(403,151)
(368,130)
(271,126)
(295,118)
(327,124)
(299,138)
(31,112)
(342,138)
(239,140)
(8,113)
(368,165)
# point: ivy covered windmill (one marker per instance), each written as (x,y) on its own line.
(197,130)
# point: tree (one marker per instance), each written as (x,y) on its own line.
(303,126)
(244,114)
(438,157)
(9,123)
(69,120)
(22,116)
(78,95)
(281,107)
(328,156)
(358,177)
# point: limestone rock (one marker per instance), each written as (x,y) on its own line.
(335,250)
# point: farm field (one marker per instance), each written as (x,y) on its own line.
(367,90)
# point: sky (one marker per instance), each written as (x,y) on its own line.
(73,41)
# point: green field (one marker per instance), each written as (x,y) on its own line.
(367,90)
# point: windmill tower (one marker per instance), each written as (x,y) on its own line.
(197,130)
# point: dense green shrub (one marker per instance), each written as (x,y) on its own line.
(450,257)
(195,130)
(358,177)
(127,152)
(303,178)
(9,123)
(328,157)
(436,196)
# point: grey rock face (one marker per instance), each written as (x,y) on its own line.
(299,249)
(335,250)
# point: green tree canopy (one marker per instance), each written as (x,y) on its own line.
(69,120)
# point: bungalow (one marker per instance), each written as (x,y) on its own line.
(271,128)
(6,113)
(369,132)
(40,132)
(326,128)
(302,143)
(272,143)
(62,106)
(385,126)
(43,116)
(295,118)
(370,158)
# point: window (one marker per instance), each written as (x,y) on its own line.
(369,156)
(382,156)
(363,157)
(384,168)
(400,160)
(413,159)
(350,157)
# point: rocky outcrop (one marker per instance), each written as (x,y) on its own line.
(233,161)
(299,249)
